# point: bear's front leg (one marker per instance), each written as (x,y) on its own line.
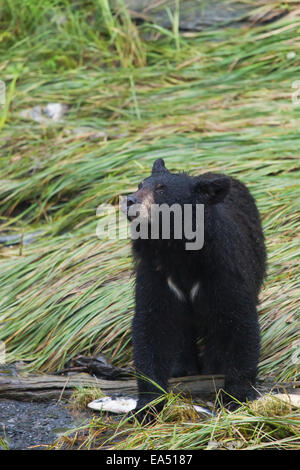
(154,335)
(232,340)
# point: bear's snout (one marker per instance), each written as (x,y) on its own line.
(138,204)
(131,201)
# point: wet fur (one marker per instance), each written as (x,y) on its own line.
(229,271)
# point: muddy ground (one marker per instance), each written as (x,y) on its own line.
(25,425)
(37,425)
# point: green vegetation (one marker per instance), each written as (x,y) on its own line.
(216,100)
(259,425)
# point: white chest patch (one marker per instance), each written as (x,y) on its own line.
(178,292)
(194,290)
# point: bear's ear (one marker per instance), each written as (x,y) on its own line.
(158,166)
(212,189)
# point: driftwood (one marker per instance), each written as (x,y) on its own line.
(47,387)
(196,15)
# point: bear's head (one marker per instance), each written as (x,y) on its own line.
(166,188)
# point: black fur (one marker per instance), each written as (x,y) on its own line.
(230,268)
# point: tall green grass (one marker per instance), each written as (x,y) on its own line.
(216,100)
(260,425)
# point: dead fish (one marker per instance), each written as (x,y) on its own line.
(121,405)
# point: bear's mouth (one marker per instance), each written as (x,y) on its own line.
(128,211)
(131,217)
(133,207)
(138,212)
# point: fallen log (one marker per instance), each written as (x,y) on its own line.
(196,15)
(48,387)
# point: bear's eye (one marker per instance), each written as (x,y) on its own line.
(160,189)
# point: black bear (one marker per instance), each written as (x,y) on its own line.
(210,293)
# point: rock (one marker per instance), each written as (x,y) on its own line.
(52,112)
(292,399)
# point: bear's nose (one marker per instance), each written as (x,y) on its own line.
(131,200)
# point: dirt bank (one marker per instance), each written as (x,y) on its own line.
(25,425)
